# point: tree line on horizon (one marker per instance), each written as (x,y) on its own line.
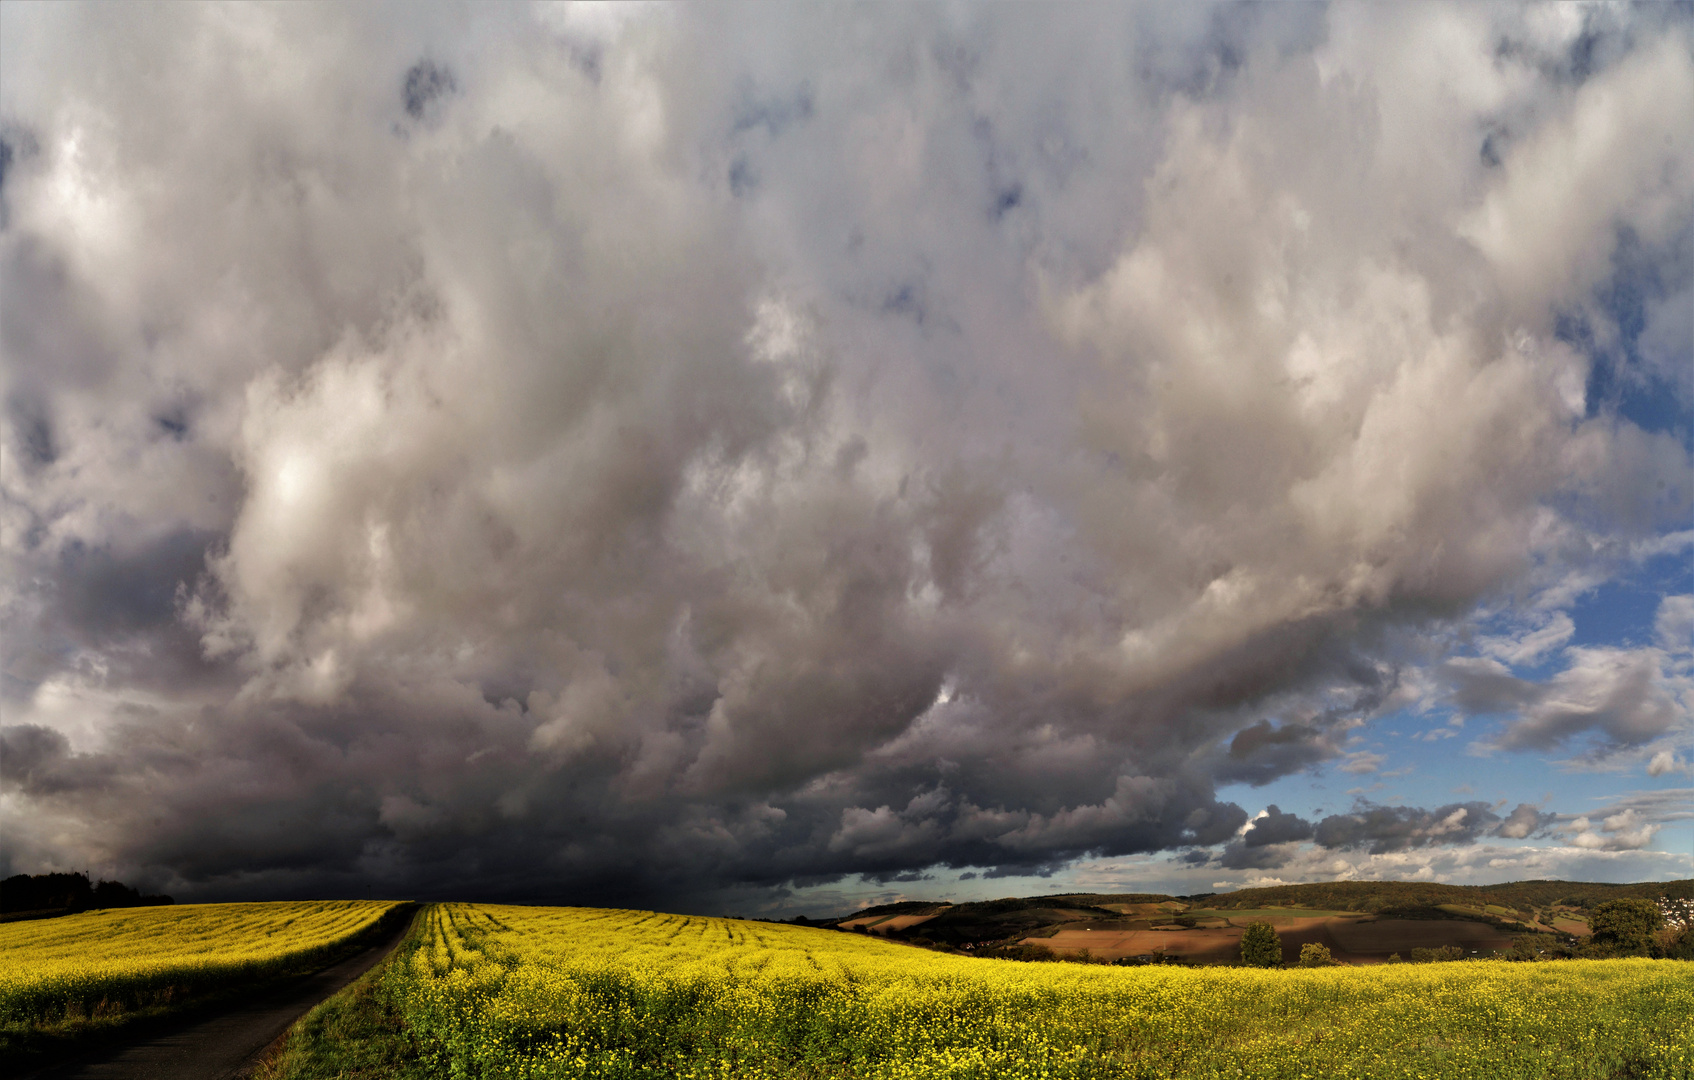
(24,896)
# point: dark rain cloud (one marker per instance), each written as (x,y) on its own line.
(1380,829)
(1276,827)
(29,755)
(1264,751)
(1240,856)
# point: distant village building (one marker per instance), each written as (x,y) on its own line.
(1678,912)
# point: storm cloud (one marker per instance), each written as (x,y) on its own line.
(1275,827)
(633,453)
(1380,829)
(1273,839)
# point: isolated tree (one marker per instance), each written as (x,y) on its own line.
(1314,955)
(1261,945)
(1626,927)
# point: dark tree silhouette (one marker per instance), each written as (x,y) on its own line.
(68,893)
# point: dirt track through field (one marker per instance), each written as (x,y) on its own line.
(224,1045)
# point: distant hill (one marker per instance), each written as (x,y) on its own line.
(904,907)
(1510,907)
(1377,896)
(1006,920)
(1108,899)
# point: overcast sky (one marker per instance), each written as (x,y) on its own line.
(770,458)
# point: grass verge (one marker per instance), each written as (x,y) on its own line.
(357,1033)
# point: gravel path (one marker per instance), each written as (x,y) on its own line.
(224,1045)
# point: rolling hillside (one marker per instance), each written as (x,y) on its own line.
(1374,896)
(1366,920)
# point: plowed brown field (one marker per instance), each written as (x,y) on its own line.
(1351,939)
(1403,935)
(1214,946)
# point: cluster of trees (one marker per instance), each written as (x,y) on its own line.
(1444,954)
(1020,951)
(65,894)
(1156,958)
(1261,946)
(1628,927)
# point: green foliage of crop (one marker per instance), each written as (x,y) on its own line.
(489,992)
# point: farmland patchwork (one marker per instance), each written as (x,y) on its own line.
(560,992)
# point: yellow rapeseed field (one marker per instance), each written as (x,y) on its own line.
(561,992)
(103,964)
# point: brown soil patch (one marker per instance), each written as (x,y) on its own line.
(1319,930)
(1283,923)
(1208,946)
(1120,926)
(1571,926)
(1372,940)
(1074,913)
(1351,939)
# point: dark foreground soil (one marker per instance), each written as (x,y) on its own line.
(222,1045)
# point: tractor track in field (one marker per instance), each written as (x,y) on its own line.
(226,1044)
